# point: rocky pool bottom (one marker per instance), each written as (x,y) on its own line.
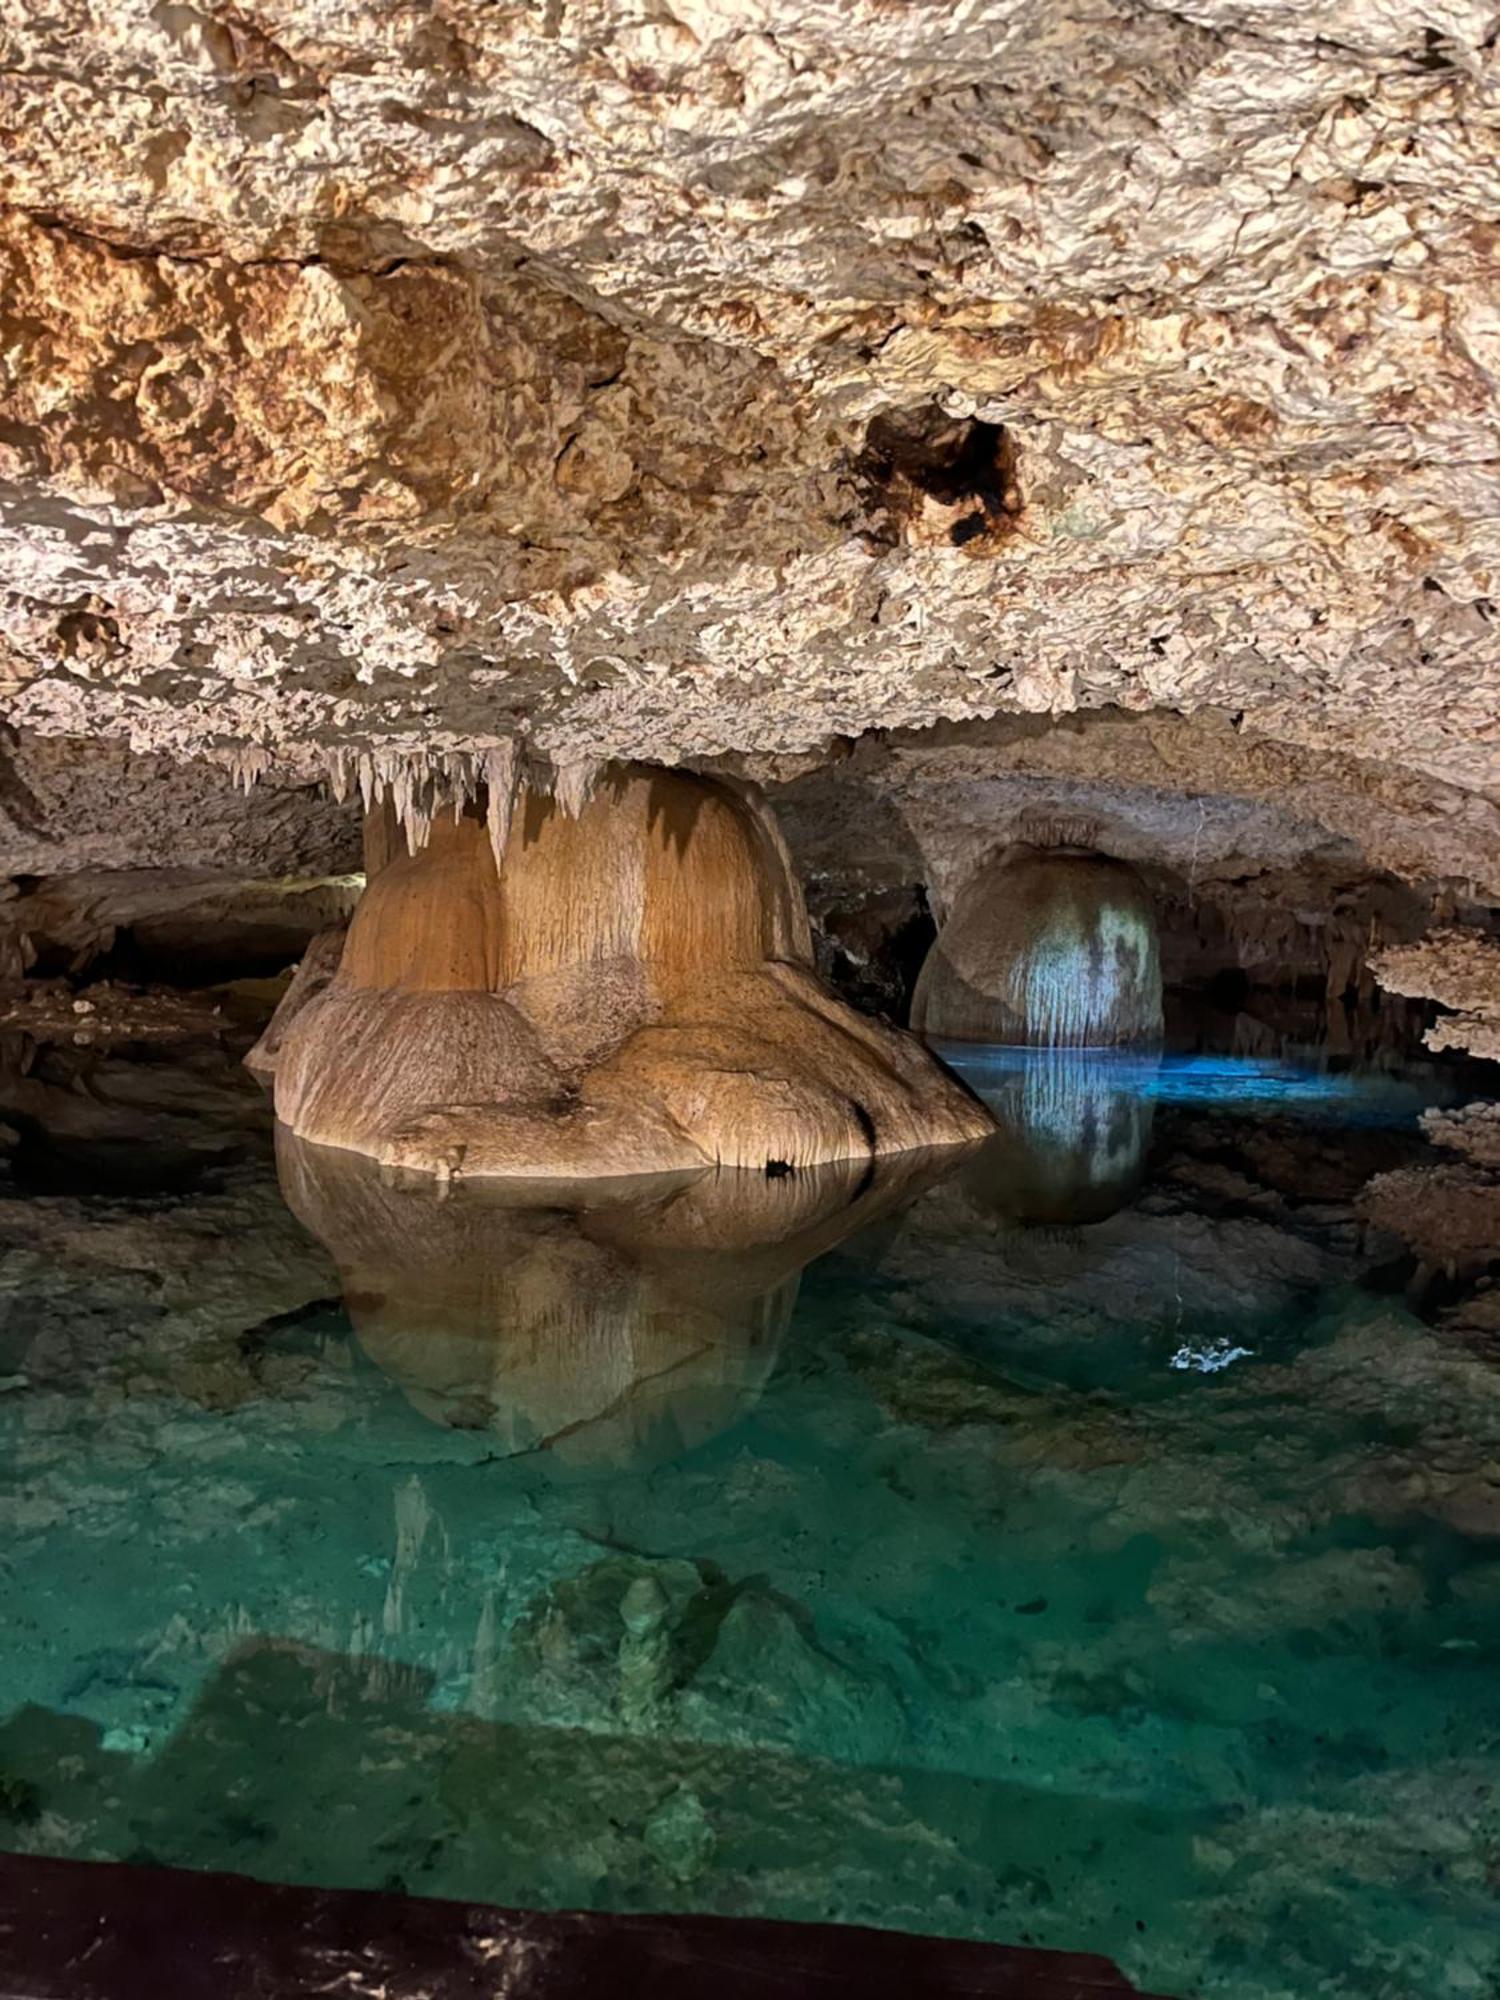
(1093,1541)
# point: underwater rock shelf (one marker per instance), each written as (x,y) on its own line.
(75,1930)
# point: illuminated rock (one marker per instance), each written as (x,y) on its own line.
(627,989)
(1049,948)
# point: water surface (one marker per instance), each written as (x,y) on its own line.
(1080,1542)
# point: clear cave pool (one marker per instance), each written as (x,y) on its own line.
(1093,1541)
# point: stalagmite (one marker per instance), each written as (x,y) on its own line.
(615,979)
(1050,948)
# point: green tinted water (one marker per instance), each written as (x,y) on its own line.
(973,1583)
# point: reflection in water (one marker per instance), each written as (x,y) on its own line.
(1075,1125)
(1074,1128)
(601,1321)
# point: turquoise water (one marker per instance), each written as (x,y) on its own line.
(1079,1543)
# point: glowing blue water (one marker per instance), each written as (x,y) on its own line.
(1229,1083)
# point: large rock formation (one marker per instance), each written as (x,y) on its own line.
(623,991)
(1048,948)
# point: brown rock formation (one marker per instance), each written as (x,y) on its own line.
(629,991)
(1054,949)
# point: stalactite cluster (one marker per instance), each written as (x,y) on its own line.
(420,785)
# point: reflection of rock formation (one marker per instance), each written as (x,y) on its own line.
(1072,1142)
(1050,948)
(629,991)
(602,1320)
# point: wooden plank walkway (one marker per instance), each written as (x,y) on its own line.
(80,1930)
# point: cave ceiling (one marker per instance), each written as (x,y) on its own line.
(727,380)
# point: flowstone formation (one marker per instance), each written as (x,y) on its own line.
(591,985)
(1050,949)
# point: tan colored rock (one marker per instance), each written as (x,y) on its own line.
(316,970)
(1203,795)
(1050,948)
(1461,971)
(378,374)
(628,992)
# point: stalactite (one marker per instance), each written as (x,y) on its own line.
(458,781)
(248,763)
(420,785)
(573,784)
(499,768)
(339,766)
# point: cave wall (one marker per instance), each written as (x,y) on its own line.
(1270,869)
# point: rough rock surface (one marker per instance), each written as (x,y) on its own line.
(669,383)
(1461,971)
(73,804)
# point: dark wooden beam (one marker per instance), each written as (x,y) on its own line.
(83,1930)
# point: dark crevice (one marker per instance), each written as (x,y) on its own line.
(910,457)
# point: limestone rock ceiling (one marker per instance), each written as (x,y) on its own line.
(669,383)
